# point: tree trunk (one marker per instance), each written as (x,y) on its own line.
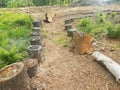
(111,65)
(14,77)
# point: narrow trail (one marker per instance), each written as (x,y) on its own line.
(65,70)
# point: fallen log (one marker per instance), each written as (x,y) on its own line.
(110,64)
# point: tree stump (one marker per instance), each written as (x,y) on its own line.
(14,77)
(70,32)
(37,23)
(32,67)
(36,29)
(69,21)
(35,40)
(35,33)
(68,26)
(34,51)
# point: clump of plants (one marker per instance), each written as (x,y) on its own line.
(15,31)
(101,24)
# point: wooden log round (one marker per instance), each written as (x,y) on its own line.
(69,21)
(68,26)
(35,40)
(34,51)
(35,33)
(32,67)
(37,23)
(36,29)
(70,32)
(14,77)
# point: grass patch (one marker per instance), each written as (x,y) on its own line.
(101,24)
(64,40)
(15,29)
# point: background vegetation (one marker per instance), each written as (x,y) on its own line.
(15,31)
(100,25)
(23,3)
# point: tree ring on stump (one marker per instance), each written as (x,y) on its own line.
(11,71)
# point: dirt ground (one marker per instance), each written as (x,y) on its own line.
(67,70)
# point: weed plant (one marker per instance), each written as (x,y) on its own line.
(15,31)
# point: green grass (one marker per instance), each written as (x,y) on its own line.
(99,25)
(63,40)
(15,31)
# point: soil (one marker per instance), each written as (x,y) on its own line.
(64,69)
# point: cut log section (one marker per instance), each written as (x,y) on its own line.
(34,51)
(110,64)
(35,40)
(14,77)
(32,67)
(36,29)
(37,23)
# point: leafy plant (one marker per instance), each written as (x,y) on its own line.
(113,14)
(100,25)
(14,36)
(101,17)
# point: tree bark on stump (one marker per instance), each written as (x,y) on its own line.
(68,26)
(35,33)
(70,32)
(110,64)
(34,51)
(14,77)
(69,21)
(36,29)
(32,67)
(35,40)
(37,23)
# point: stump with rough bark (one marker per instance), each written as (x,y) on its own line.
(37,23)
(36,29)
(14,77)
(34,51)
(31,64)
(35,40)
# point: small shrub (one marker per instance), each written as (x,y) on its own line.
(15,29)
(101,17)
(113,14)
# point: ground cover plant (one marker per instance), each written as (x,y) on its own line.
(15,31)
(101,24)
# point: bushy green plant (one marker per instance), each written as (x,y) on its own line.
(101,17)
(100,25)
(113,14)
(15,29)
